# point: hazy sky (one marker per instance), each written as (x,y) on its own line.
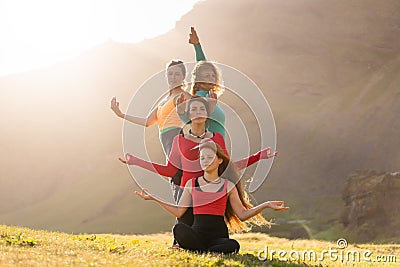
(36,33)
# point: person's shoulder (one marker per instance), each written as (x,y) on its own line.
(230,186)
(218,137)
(181,135)
(230,183)
(190,182)
(178,137)
(163,101)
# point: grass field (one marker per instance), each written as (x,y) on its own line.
(26,247)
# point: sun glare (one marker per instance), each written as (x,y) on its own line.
(41,32)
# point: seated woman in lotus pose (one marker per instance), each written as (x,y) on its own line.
(218,202)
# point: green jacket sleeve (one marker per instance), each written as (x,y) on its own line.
(199,53)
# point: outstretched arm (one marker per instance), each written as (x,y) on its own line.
(168,170)
(245,214)
(195,41)
(243,163)
(262,154)
(150,120)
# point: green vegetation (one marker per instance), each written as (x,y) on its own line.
(26,247)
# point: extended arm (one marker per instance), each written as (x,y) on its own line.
(243,163)
(195,41)
(244,214)
(250,160)
(168,170)
(149,120)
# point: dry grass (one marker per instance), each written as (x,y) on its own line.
(26,247)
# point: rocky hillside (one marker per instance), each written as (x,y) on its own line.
(372,205)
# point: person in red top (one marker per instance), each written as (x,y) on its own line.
(218,201)
(183,154)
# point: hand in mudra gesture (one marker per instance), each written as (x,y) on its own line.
(144,194)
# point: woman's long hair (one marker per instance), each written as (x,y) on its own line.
(228,171)
(218,87)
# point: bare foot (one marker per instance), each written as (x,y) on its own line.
(175,246)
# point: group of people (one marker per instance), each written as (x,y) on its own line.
(205,183)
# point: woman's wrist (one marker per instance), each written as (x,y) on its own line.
(130,159)
(266,205)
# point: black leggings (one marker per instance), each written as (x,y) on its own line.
(208,233)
